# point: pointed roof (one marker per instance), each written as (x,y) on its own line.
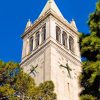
(73,24)
(29,24)
(51,5)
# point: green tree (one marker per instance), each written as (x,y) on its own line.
(46,91)
(16,85)
(24,85)
(7,80)
(90,50)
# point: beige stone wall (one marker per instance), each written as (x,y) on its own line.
(25,48)
(60,77)
(53,23)
(49,56)
(42,59)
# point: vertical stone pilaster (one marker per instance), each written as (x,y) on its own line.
(61,36)
(67,41)
(34,43)
(23,50)
(27,47)
(40,38)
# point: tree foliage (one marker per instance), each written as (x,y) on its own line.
(90,50)
(87,97)
(17,85)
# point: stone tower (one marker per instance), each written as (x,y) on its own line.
(51,48)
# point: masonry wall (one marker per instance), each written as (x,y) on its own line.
(42,59)
(53,23)
(25,48)
(49,56)
(65,87)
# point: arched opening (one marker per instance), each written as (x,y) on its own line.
(31,44)
(37,38)
(43,35)
(58,34)
(71,43)
(64,39)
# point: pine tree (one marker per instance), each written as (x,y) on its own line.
(17,85)
(90,50)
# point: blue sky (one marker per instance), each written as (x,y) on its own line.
(15,13)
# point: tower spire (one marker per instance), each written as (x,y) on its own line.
(51,5)
(50,0)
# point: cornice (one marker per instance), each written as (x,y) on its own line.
(47,43)
(35,24)
(65,50)
(40,47)
(47,14)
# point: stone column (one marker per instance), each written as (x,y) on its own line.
(61,37)
(27,47)
(67,41)
(40,37)
(34,42)
(24,49)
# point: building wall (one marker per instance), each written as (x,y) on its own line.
(42,59)
(53,23)
(39,56)
(60,75)
(49,56)
(25,49)
(64,86)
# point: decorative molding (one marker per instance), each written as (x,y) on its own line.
(37,22)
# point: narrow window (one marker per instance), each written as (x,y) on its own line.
(64,39)
(37,39)
(71,43)
(58,34)
(44,33)
(31,44)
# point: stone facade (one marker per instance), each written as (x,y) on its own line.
(50,54)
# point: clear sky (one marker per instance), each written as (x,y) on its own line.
(15,13)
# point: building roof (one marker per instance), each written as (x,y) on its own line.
(51,5)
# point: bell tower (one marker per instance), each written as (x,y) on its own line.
(51,52)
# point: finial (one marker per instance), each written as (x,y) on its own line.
(50,0)
(29,23)
(73,24)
